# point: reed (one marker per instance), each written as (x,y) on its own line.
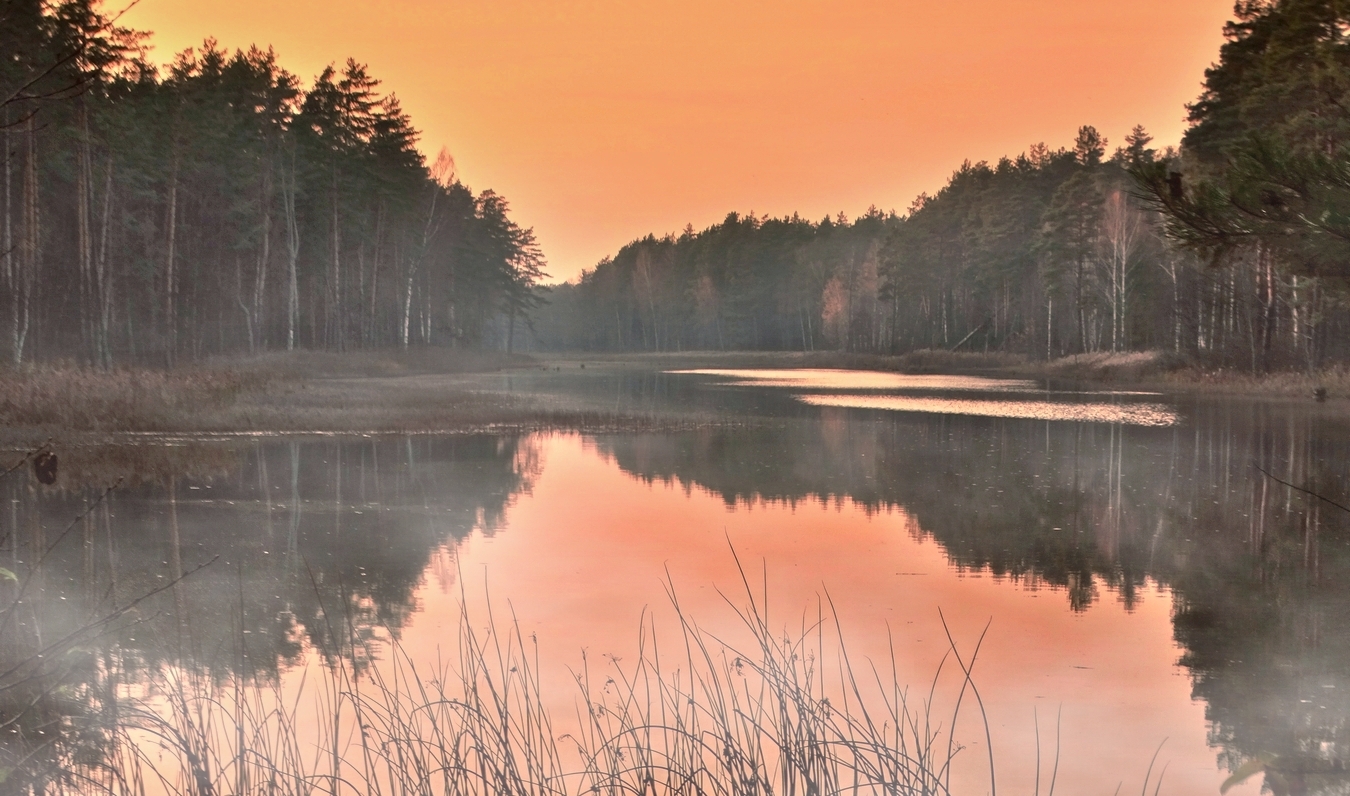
(71,397)
(422,392)
(1335,380)
(375,363)
(784,712)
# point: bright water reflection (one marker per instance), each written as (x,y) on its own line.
(827,379)
(1129,414)
(1148,579)
(900,392)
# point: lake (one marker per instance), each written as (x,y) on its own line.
(1149,586)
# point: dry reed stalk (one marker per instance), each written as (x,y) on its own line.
(86,399)
(774,718)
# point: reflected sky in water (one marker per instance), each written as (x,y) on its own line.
(580,572)
(1130,414)
(1139,573)
(826,379)
(900,392)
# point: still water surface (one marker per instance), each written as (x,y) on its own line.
(1143,583)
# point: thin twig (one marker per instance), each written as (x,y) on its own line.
(1300,489)
(28,457)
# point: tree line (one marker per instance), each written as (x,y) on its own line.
(220,205)
(1232,249)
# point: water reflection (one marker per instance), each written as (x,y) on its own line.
(931,394)
(828,379)
(250,556)
(1139,414)
(1260,572)
(293,532)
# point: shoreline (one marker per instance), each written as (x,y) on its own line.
(302,394)
(450,392)
(1153,370)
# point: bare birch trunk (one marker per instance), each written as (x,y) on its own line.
(428,232)
(361,293)
(1121,224)
(1296,317)
(407,304)
(1049,327)
(426,309)
(103,274)
(84,179)
(292,257)
(170,272)
(451,320)
(30,254)
(1078,285)
(264,258)
(644,267)
(7,252)
(243,305)
(335,292)
(375,274)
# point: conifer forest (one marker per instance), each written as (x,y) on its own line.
(1231,250)
(223,205)
(326,472)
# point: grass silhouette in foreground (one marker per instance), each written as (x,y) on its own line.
(773,716)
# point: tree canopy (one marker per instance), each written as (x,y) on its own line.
(1019,255)
(221,204)
(1233,249)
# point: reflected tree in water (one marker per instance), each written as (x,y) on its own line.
(289,548)
(1258,571)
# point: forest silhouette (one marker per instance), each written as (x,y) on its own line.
(219,206)
(1228,250)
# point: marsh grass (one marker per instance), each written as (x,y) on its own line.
(72,397)
(378,363)
(361,393)
(1294,384)
(782,712)
(1174,373)
(444,391)
(66,396)
(1107,366)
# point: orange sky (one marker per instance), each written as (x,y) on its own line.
(603,120)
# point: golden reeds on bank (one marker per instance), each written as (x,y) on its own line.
(416,392)
(67,396)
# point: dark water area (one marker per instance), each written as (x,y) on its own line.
(1164,517)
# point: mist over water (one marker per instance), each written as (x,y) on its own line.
(1142,581)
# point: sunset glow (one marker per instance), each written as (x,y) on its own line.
(603,121)
(585,396)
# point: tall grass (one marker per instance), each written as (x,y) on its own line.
(379,362)
(67,396)
(782,713)
(298,392)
